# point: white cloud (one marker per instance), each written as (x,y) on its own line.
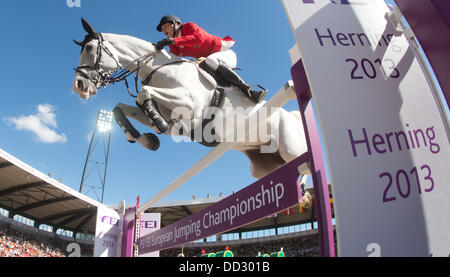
(41,124)
(88,137)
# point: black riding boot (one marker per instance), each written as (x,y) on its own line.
(150,110)
(230,76)
(225,76)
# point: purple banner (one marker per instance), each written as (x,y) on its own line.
(325,226)
(271,194)
(129,221)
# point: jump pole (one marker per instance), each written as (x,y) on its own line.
(286,93)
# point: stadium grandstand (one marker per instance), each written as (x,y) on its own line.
(41,217)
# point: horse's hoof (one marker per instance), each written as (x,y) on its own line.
(149,141)
(307,200)
(131,138)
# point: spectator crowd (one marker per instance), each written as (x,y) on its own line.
(16,244)
(303,246)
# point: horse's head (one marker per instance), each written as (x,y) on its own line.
(96,60)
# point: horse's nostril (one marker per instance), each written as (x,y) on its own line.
(80,84)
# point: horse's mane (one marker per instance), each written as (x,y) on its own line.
(133,41)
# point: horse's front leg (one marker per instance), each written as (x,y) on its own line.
(149,108)
(168,105)
(147,140)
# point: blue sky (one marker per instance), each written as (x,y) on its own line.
(38,57)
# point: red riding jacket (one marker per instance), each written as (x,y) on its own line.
(196,42)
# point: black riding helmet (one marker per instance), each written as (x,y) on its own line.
(168,19)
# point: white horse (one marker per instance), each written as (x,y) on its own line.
(183,93)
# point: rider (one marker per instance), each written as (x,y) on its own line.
(189,40)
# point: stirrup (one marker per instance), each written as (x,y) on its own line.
(257,96)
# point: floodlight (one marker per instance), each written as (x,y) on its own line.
(104,121)
(102,132)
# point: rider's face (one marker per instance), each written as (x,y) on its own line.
(167,30)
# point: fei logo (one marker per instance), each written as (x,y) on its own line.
(149,224)
(338,2)
(110,220)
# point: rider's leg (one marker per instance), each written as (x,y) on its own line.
(221,63)
(228,74)
(212,62)
(227,57)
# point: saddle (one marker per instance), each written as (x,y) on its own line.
(209,74)
(217,84)
(214,80)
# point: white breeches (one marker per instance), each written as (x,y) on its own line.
(227,57)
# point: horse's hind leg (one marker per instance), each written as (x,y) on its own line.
(147,140)
(292,141)
(262,164)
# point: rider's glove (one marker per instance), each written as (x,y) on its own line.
(160,44)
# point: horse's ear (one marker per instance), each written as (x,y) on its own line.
(78,43)
(87,27)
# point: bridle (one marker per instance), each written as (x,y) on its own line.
(102,78)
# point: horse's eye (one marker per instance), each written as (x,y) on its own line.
(89,48)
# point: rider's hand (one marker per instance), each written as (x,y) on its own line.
(160,44)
